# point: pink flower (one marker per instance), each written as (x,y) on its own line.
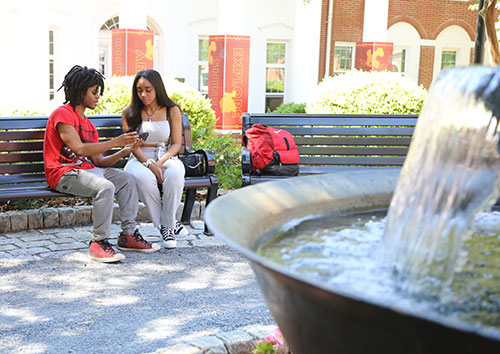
(278,336)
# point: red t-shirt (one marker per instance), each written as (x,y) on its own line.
(58,158)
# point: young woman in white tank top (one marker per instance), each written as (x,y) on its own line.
(155,165)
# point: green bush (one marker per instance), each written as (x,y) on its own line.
(291,108)
(367,93)
(227,159)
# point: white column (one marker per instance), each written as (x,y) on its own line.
(25,54)
(375,21)
(303,54)
(231,17)
(133,14)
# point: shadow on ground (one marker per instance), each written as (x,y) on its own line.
(70,304)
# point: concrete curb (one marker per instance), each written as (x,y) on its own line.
(241,341)
(12,221)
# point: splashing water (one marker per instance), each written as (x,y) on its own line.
(451,173)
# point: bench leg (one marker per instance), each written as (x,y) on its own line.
(211,195)
(188,206)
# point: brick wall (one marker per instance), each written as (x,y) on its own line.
(428,17)
(426,65)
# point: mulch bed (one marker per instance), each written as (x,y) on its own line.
(65,202)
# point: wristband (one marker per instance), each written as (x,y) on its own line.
(148,162)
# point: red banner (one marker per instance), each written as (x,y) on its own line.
(228,67)
(373,56)
(132,51)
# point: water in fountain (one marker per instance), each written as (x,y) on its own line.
(450,174)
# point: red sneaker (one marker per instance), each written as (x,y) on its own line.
(135,243)
(102,251)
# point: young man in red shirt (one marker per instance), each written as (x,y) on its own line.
(75,164)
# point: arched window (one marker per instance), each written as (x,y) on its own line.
(105,43)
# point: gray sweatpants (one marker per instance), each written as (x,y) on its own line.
(102,184)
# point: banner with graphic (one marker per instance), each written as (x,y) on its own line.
(228,67)
(132,51)
(374,56)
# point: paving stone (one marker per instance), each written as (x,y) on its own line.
(142,213)
(66,216)
(77,235)
(39,243)
(11,241)
(213,241)
(50,217)
(179,349)
(195,213)
(29,251)
(209,345)
(29,235)
(4,222)
(83,214)
(198,224)
(58,240)
(178,213)
(202,209)
(116,212)
(8,247)
(68,246)
(18,220)
(259,331)
(237,342)
(35,219)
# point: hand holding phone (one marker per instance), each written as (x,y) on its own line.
(143,136)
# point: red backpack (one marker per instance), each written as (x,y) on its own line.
(273,151)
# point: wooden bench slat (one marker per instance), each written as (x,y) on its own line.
(340,150)
(278,122)
(21,146)
(350,131)
(22,168)
(20,179)
(355,140)
(352,160)
(22,157)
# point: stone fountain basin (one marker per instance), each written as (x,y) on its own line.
(319,319)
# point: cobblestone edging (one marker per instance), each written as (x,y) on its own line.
(12,221)
(241,341)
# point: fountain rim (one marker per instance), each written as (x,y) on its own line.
(267,264)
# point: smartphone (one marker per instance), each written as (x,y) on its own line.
(143,136)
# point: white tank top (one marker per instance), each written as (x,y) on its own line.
(159,131)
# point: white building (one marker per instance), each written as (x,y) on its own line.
(43,39)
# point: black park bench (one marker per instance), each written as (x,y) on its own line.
(22,173)
(335,142)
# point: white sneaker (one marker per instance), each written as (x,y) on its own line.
(180,230)
(168,236)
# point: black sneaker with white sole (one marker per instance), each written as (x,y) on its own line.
(168,237)
(180,230)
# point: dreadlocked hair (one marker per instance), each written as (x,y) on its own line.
(77,81)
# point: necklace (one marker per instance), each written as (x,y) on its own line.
(150,114)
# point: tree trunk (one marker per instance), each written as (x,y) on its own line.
(488,15)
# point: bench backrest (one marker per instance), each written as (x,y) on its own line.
(344,139)
(21,144)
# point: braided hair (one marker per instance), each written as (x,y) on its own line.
(133,116)
(77,81)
